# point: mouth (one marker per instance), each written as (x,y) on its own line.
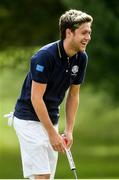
(84,43)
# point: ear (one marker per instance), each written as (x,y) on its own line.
(68,32)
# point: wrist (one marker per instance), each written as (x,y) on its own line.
(51,131)
(69,132)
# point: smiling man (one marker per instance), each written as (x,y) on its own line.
(54,69)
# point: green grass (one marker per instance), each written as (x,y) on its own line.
(96,135)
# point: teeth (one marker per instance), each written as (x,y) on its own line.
(84,43)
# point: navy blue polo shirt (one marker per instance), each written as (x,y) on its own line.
(51,66)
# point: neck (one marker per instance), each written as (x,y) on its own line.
(68,48)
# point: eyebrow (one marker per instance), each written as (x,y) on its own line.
(83,27)
(89,30)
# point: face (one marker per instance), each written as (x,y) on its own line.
(80,37)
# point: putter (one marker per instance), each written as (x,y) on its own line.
(70,159)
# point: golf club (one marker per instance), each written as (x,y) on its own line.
(70,158)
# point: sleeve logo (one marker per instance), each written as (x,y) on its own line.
(39,68)
(75,69)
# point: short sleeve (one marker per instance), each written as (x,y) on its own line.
(40,67)
(83,59)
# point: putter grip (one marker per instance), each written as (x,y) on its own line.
(70,159)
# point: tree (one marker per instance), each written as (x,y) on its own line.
(29,22)
(34,22)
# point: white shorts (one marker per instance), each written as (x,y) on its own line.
(38,156)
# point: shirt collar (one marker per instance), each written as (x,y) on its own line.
(61,51)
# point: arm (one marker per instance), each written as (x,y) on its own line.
(72,103)
(37,93)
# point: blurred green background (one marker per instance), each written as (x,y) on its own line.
(27,25)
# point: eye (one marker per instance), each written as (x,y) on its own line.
(86,32)
(83,32)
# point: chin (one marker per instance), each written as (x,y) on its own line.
(82,49)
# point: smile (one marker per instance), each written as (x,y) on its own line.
(84,43)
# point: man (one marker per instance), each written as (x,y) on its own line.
(54,69)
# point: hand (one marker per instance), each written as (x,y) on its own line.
(67,136)
(57,142)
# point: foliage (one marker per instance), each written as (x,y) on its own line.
(30,22)
(16,57)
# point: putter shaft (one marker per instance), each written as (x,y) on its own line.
(71,162)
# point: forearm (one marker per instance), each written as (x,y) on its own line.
(42,113)
(40,108)
(72,103)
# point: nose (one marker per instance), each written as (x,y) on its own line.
(88,37)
